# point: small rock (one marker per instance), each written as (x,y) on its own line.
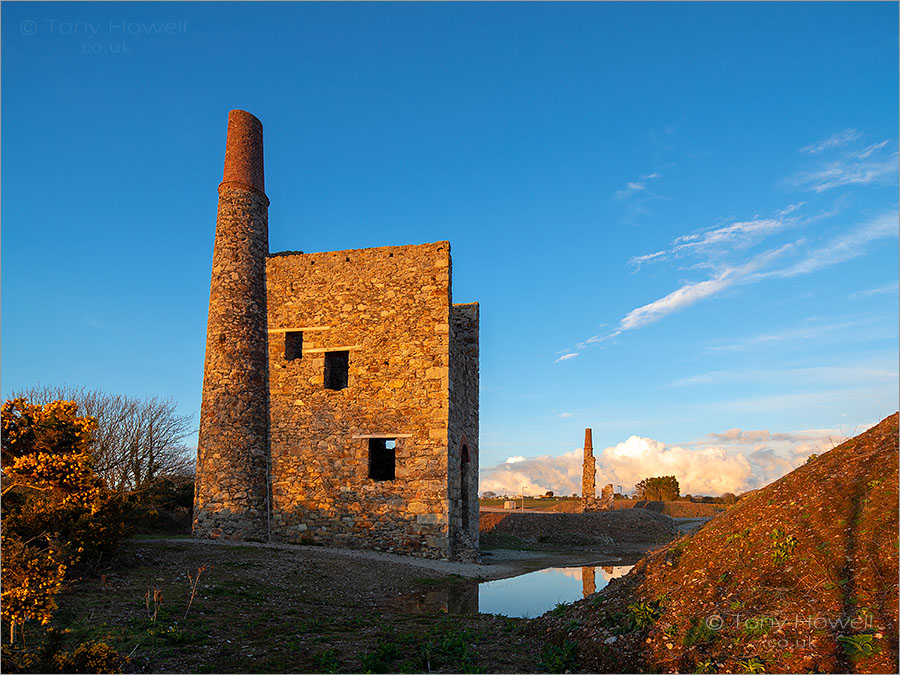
(609,640)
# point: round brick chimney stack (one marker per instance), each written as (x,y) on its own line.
(244,151)
(231,496)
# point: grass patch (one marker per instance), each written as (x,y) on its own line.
(698,633)
(559,658)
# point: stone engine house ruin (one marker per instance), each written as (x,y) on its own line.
(340,390)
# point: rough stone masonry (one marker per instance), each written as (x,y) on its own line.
(588,475)
(340,395)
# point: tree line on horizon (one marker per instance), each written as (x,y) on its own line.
(652,488)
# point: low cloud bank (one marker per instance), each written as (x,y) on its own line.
(732,461)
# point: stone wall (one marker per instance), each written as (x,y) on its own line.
(463,463)
(231,498)
(607,497)
(389,309)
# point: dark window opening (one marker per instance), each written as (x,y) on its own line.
(293,345)
(382,458)
(337,365)
(464,487)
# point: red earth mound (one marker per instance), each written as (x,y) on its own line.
(800,576)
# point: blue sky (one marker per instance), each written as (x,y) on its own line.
(680,219)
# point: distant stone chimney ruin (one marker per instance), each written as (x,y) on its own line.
(589,501)
(588,475)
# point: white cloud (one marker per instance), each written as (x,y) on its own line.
(633,187)
(685,296)
(837,140)
(566,357)
(707,470)
(851,166)
(844,247)
(737,435)
(730,461)
(840,249)
(515,460)
(768,466)
(711,247)
(880,290)
(870,150)
(723,239)
(562,474)
(728,234)
(565,415)
(641,259)
(852,171)
(813,328)
(790,208)
(691,293)
(872,371)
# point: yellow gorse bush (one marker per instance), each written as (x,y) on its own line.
(55,509)
(31,579)
(71,474)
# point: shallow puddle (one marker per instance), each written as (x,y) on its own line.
(532,594)
(527,595)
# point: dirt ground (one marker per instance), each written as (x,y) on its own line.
(602,530)
(676,509)
(266,609)
(282,608)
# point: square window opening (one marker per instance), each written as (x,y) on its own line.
(382,458)
(337,365)
(293,345)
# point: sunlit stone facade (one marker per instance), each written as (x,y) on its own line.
(340,406)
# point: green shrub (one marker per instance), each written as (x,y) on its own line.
(327,661)
(752,665)
(858,646)
(559,659)
(698,633)
(643,614)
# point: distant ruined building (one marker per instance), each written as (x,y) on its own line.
(589,501)
(340,389)
(588,474)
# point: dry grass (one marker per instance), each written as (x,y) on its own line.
(799,577)
(266,610)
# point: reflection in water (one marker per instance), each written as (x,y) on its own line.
(531,595)
(588,581)
(461,598)
(527,595)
